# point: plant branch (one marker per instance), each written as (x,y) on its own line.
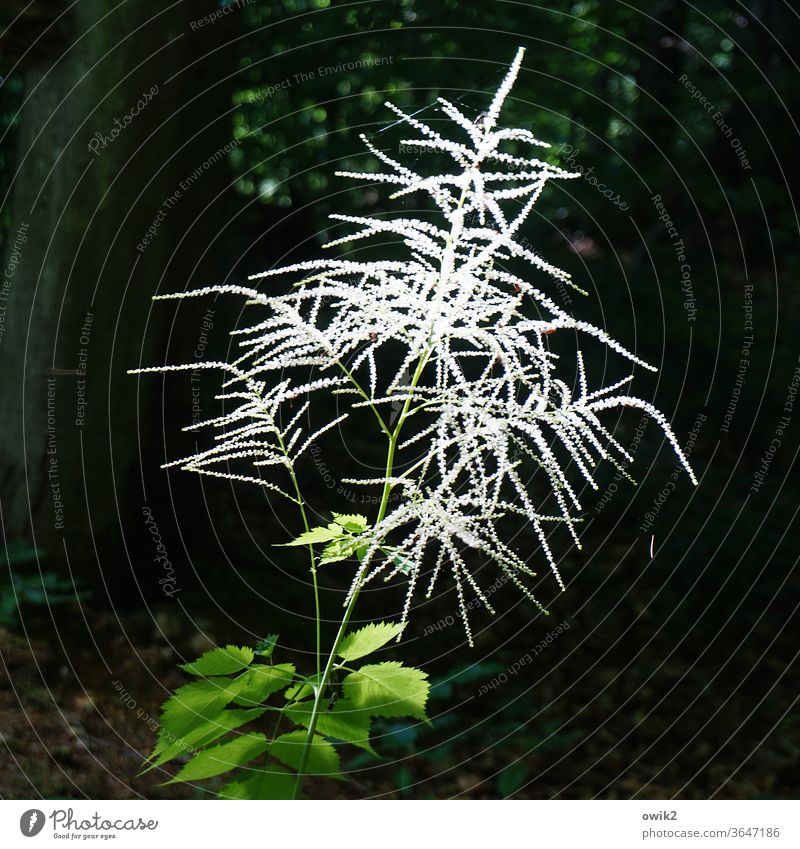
(312,558)
(364,395)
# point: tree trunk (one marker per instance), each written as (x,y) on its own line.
(122,145)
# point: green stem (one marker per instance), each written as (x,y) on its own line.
(357,386)
(312,559)
(319,690)
(387,488)
(314,581)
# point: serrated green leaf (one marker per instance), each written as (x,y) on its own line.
(266,646)
(269,783)
(220,661)
(261,681)
(303,688)
(368,639)
(339,549)
(344,721)
(196,703)
(221,758)
(353,522)
(168,747)
(316,535)
(389,689)
(323,759)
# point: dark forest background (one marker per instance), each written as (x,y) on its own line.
(677,676)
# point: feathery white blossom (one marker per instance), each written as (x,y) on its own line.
(475,373)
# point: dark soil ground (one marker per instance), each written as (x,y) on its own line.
(77,717)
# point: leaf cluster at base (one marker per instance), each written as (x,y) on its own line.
(207,717)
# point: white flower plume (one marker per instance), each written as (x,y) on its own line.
(467,331)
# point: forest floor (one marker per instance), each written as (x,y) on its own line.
(77,719)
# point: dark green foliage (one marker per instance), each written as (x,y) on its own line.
(20,586)
(501,726)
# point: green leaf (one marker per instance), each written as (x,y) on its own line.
(303,688)
(389,689)
(315,535)
(406,566)
(339,549)
(368,639)
(169,747)
(265,647)
(323,759)
(220,661)
(196,703)
(353,522)
(226,756)
(261,681)
(344,722)
(269,783)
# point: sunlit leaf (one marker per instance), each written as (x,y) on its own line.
(272,782)
(368,639)
(196,703)
(323,758)
(353,522)
(260,682)
(389,689)
(344,721)
(220,661)
(169,747)
(226,756)
(316,535)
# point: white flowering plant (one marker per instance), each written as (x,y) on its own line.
(475,393)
